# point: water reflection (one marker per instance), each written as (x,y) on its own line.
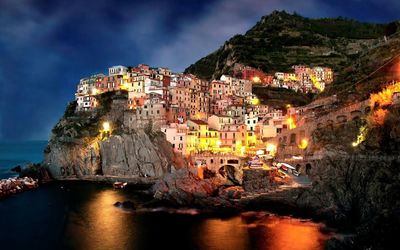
(100,225)
(223,234)
(92,222)
(278,233)
(260,231)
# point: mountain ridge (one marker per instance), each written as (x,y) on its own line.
(280,40)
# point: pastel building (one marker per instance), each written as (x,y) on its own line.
(176,134)
(271,127)
(233,136)
(142,116)
(201,137)
(217,121)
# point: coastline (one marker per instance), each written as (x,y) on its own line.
(280,203)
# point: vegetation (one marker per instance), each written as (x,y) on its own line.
(77,125)
(361,185)
(281,40)
(281,97)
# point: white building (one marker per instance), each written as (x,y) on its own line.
(117,70)
(217,121)
(280,75)
(250,120)
(85,103)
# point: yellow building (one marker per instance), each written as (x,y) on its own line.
(201,137)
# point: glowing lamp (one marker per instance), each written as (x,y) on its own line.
(256,79)
(255,101)
(303,144)
(106,126)
(243,150)
(271,148)
(260,152)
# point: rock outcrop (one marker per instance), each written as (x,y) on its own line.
(183,188)
(257,180)
(136,155)
(15,185)
(78,148)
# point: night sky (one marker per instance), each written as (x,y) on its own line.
(46,46)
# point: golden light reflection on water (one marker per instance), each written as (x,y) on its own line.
(223,234)
(266,232)
(94,223)
(292,234)
(100,225)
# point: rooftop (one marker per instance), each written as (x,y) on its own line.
(199,122)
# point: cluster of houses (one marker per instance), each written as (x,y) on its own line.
(303,78)
(197,116)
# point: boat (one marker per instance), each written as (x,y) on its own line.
(120,185)
(288,168)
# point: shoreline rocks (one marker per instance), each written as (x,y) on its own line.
(16,185)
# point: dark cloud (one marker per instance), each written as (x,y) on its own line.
(47,45)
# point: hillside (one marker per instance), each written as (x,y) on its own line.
(281,97)
(366,74)
(281,40)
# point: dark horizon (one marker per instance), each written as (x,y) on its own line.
(47,46)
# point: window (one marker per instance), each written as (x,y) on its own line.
(221,161)
(293,138)
(233,162)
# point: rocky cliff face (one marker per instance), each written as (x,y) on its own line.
(77,149)
(359,186)
(136,155)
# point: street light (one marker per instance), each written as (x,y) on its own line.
(106,126)
(303,144)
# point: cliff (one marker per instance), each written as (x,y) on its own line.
(78,149)
(359,187)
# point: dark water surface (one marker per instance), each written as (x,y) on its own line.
(78,215)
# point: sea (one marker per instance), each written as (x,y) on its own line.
(19,153)
(82,215)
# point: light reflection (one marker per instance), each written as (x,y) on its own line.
(293,234)
(261,231)
(226,232)
(104,225)
(94,223)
